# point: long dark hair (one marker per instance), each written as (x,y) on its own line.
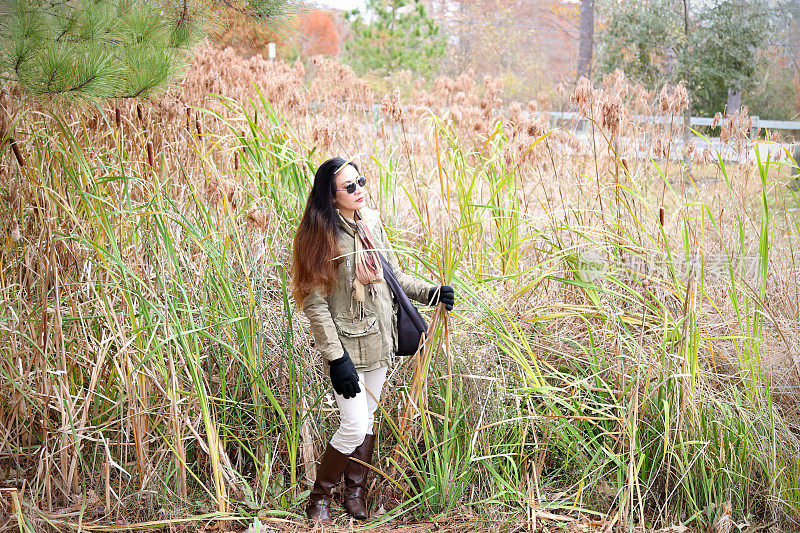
(315,241)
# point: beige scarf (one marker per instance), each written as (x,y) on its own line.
(368,263)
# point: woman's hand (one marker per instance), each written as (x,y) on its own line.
(444,294)
(344,377)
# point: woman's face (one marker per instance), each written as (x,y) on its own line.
(348,203)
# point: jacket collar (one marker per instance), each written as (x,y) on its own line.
(344,226)
(369,216)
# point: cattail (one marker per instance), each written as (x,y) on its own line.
(140,113)
(234,194)
(188,120)
(117,117)
(508,155)
(198,126)
(736,127)
(661,215)
(323,134)
(675,102)
(236,160)
(727,130)
(533,128)
(624,161)
(214,191)
(150,155)
(584,96)
(680,99)
(391,108)
(658,147)
(663,100)
(17,152)
(611,112)
(16,235)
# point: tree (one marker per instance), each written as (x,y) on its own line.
(96,49)
(394,34)
(586,39)
(713,46)
(644,38)
(321,35)
(727,43)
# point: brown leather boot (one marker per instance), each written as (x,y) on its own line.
(355,478)
(329,472)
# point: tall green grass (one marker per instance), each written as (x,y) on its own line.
(578,376)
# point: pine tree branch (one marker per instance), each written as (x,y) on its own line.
(137,94)
(100,48)
(18,64)
(74,88)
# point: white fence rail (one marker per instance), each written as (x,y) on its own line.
(655,119)
(695,121)
(728,153)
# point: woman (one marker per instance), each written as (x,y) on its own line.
(338,282)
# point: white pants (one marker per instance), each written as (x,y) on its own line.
(357,415)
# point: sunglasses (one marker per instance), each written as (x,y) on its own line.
(351,187)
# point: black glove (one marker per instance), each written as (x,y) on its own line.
(344,377)
(444,294)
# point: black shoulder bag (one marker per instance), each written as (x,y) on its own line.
(411,327)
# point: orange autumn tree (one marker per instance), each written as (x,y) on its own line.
(321,35)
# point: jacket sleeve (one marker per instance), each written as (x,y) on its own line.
(326,338)
(413,287)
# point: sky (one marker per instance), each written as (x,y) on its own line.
(342,4)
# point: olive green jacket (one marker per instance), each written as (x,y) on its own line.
(371,341)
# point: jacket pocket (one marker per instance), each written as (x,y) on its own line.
(353,328)
(361,337)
